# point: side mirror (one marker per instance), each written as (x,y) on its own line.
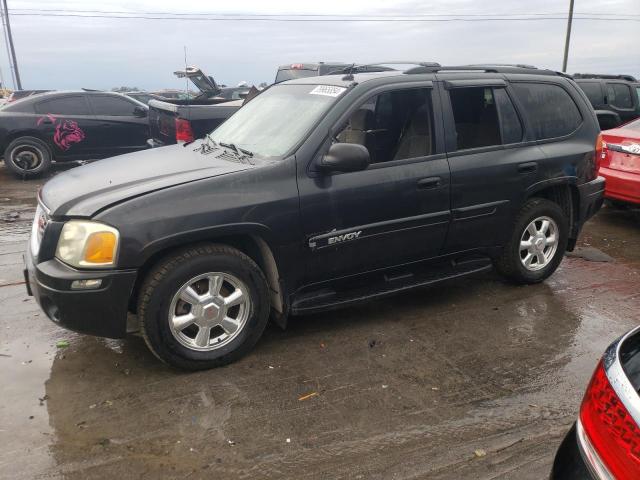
(140,112)
(345,157)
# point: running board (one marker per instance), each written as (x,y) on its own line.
(386,284)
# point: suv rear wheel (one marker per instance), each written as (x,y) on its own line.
(203,307)
(537,244)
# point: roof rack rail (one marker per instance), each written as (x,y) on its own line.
(379,66)
(628,78)
(518,65)
(488,68)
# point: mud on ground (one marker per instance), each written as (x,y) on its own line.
(406,387)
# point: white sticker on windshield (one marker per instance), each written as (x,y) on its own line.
(327,90)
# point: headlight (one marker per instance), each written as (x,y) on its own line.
(87,244)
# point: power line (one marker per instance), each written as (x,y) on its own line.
(453,18)
(319,15)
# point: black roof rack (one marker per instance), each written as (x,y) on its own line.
(380,66)
(628,78)
(488,68)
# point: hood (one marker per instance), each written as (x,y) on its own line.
(85,190)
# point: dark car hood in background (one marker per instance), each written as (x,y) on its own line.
(84,190)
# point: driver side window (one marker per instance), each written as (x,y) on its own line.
(394,125)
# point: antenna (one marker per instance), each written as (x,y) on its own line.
(186,77)
(186,86)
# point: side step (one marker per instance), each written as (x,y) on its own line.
(385,284)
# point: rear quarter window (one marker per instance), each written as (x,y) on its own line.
(19,107)
(550,109)
(593,91)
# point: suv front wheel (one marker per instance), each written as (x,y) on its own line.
(537,243)
(203,307)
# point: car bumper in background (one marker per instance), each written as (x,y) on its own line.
(621,185)
(569,462)
(101,311)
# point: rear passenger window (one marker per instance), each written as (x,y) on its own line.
(69,105)
(550,109)
(509,120)
(393,125)
(593,91)
(476,117)
(111,105)
(619,95)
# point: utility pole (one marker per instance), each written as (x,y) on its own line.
(13,59)
(567,40)
(6,45)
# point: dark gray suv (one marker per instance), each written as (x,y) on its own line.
(318,193)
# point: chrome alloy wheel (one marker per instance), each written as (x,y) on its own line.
(539,243)
(209,311)
(27,157)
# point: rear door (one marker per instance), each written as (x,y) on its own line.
(491,160)
(65,121)
(620,99)
(121,126)
(397,210)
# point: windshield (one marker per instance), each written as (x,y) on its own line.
(291,73)
(275,121)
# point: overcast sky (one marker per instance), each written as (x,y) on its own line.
(66,53)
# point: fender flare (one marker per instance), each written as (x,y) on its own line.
(206,234)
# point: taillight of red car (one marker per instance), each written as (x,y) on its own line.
(610,429)
(183,130)
(600,152)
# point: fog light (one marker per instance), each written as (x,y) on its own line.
(86,284)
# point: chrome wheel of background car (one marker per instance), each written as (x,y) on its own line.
(209,311)
(27,157)
(538,243)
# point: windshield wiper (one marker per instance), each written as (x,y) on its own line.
(241,152)
(209,144)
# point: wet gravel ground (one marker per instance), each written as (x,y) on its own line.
(407,387)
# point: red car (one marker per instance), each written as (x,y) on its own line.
(620,162)
(604,443)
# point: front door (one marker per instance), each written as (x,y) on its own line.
(397,210)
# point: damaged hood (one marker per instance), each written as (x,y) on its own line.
(85,190)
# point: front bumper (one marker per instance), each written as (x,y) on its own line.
(101,312)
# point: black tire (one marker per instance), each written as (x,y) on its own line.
(509,263)
(165,280)
(27,157)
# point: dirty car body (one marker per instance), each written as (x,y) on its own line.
(370,184)
(70,125)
